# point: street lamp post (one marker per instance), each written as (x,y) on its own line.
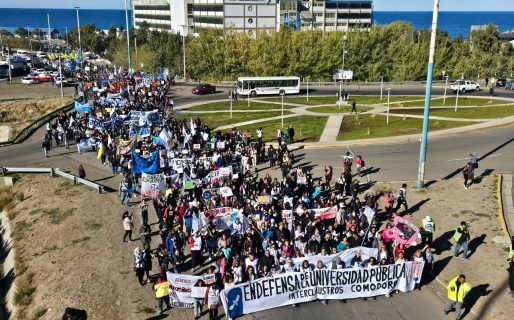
(231,106)
(282,96)
(381,86)
(445,87)
(49,33)
(307,89)
(426,115)
(128,36)
(457,99)
(80,41)
(60,75)
(388,102)
(184,48)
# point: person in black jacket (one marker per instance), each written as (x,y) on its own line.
(511,275)
(267,260)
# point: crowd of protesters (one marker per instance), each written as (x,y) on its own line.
(188,239)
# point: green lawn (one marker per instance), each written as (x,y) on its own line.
(354,127)
(319,100)
(214,120)
(450,101)
(465,113)
(236,105)
(335,109)
(307,128)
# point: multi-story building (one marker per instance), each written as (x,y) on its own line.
(191,16)
(164,15)
(326,15)
(239,15)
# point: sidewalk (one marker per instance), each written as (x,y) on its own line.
(331,129)
(507,202)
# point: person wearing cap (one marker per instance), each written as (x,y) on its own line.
(428,227)
(458,288)
(160,287)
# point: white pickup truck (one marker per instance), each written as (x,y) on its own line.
(464,85)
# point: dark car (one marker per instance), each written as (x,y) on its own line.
(204,88)
(500,82)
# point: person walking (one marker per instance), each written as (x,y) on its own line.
(160,287)
(290,134)
(139,264)
(361,168)
(467,172)
(259,135)
(354,107)
(123,191)
(511,276)
(212,300)
(458,288)
(195,244)
(461,236)
(143,206)
(279,136)
(428,227)
(46,146)
(128,225)
(401,199)
(82,172)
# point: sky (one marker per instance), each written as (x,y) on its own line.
(379,5)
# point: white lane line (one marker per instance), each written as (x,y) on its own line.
(493,155)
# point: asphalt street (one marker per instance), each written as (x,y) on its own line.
(393,162)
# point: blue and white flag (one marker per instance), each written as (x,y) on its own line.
(145,165)
(85,145)
(82,107)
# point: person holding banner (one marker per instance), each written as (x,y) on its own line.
(160,288)
(212,300)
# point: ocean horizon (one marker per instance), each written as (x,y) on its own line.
(455,23)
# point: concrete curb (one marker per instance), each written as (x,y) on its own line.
(8,267)
(505,203)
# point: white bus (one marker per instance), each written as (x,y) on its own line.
(267,85)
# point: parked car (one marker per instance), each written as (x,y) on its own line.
(44,77)
(28,80)
(54,73)
(203,88)
(501,82)
(58,81)
(509,85)
(464,85)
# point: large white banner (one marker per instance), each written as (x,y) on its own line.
(153,186)
(345,256)
(297,287)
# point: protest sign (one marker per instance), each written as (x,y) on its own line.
(298,287)
(322,213)
(180,289)
(162,157)
(234,221)
(223,191)
(143,118)
(153,186)
(97,124)
(220,145)
(217,176)
(218,211)
(125,146)
(404,231)
(301,180)
(139,131)
(263,199)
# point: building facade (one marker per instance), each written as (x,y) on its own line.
(239,15)
(191,16)
(164,15)
(326,15)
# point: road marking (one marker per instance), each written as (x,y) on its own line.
(493,155)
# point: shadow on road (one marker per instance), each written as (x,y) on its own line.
(6,277)
(475,243)
(473,296)
(418,205)
(442,243)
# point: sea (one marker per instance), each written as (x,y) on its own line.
(456,23)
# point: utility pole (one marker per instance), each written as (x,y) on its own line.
(9,63)
(128,36)
(60,75)
(381,86)
(426,115)
(445,87)
(80,42)
(184,48)
(49,33)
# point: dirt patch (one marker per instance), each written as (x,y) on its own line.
(18,113)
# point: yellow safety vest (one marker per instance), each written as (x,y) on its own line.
(455,295)
(161,290)
(428,226)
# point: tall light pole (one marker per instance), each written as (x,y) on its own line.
(388,103)
(128,36)
(282,96)
(457,100)
(60,75)
(307,89)
(445,87)
(426,115)
(80,41)
(49,33)
(66,35)
(381,86)
(184,48)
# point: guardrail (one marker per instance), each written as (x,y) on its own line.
(353,83)
(54,171)
(36,124)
